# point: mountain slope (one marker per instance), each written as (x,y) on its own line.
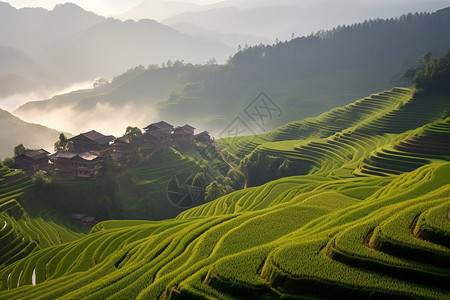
(19,73)
(340,229)
(313,245)
(304,77)
(112,46)
(15,131)
(280,19)
(76,45)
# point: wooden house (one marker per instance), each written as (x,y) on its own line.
(183,135)
(32,161)
(162,126)
(122,145)
(157,136)
(93,141)
(203,137)
(77,165)
(188,128)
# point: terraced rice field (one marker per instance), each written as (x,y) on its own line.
(21,233)
(298,236)
(390,133)
(369,219)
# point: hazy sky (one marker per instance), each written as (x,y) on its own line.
(102,7)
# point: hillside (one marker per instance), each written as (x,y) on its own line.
(77,46)
(279,19)
(303,77)
(19,73)
(15,131)
(343,229)
(146,191)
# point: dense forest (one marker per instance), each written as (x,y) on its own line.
(357,45)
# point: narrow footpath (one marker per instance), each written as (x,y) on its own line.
(214,144)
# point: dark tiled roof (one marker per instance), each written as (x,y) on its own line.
(124,139)
(36,154)
(69,155)
(156,133)
(93,135)
(181,130)
(160,125)
(105,140)
(96,137)
(188,128)
(204,134)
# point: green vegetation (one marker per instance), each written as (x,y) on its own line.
(364,216)
(63,144)
(22,233)
(304,76)
(295,236)
(18,131)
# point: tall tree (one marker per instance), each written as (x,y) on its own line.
(133,133)
(63,144)
(20,149)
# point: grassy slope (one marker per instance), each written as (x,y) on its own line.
(217,98)
(372,136)
(326,234)
(24,232)
(20,132)
(313,233)
(137,193)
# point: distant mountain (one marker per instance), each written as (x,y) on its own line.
(304,77)
(15,131)
(19,73)
(232,40)
(112,46)
(77,45)
(158,10)
(36,30)
(279,19)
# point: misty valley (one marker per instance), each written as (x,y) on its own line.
(237,149)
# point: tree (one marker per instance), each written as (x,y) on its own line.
(42,181)
(427,57)
(63,144)
(9,162)
(214,190)
(133,133)
(212,61)
(99,82)
(409,73)
(199,180)
(20,149)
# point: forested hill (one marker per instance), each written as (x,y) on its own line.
(356,46)
(305,77)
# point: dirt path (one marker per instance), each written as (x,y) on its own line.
(214,144)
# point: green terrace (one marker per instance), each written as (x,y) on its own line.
(353,203)
(321,237)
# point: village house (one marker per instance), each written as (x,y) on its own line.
(32,161)
(77,165)
(203,137)
(163,126)
(184,134)
(93,141)
(159,133)
(84,219)
(122,145)
(188,128)
(122,149)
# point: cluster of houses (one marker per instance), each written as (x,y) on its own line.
(90,149)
